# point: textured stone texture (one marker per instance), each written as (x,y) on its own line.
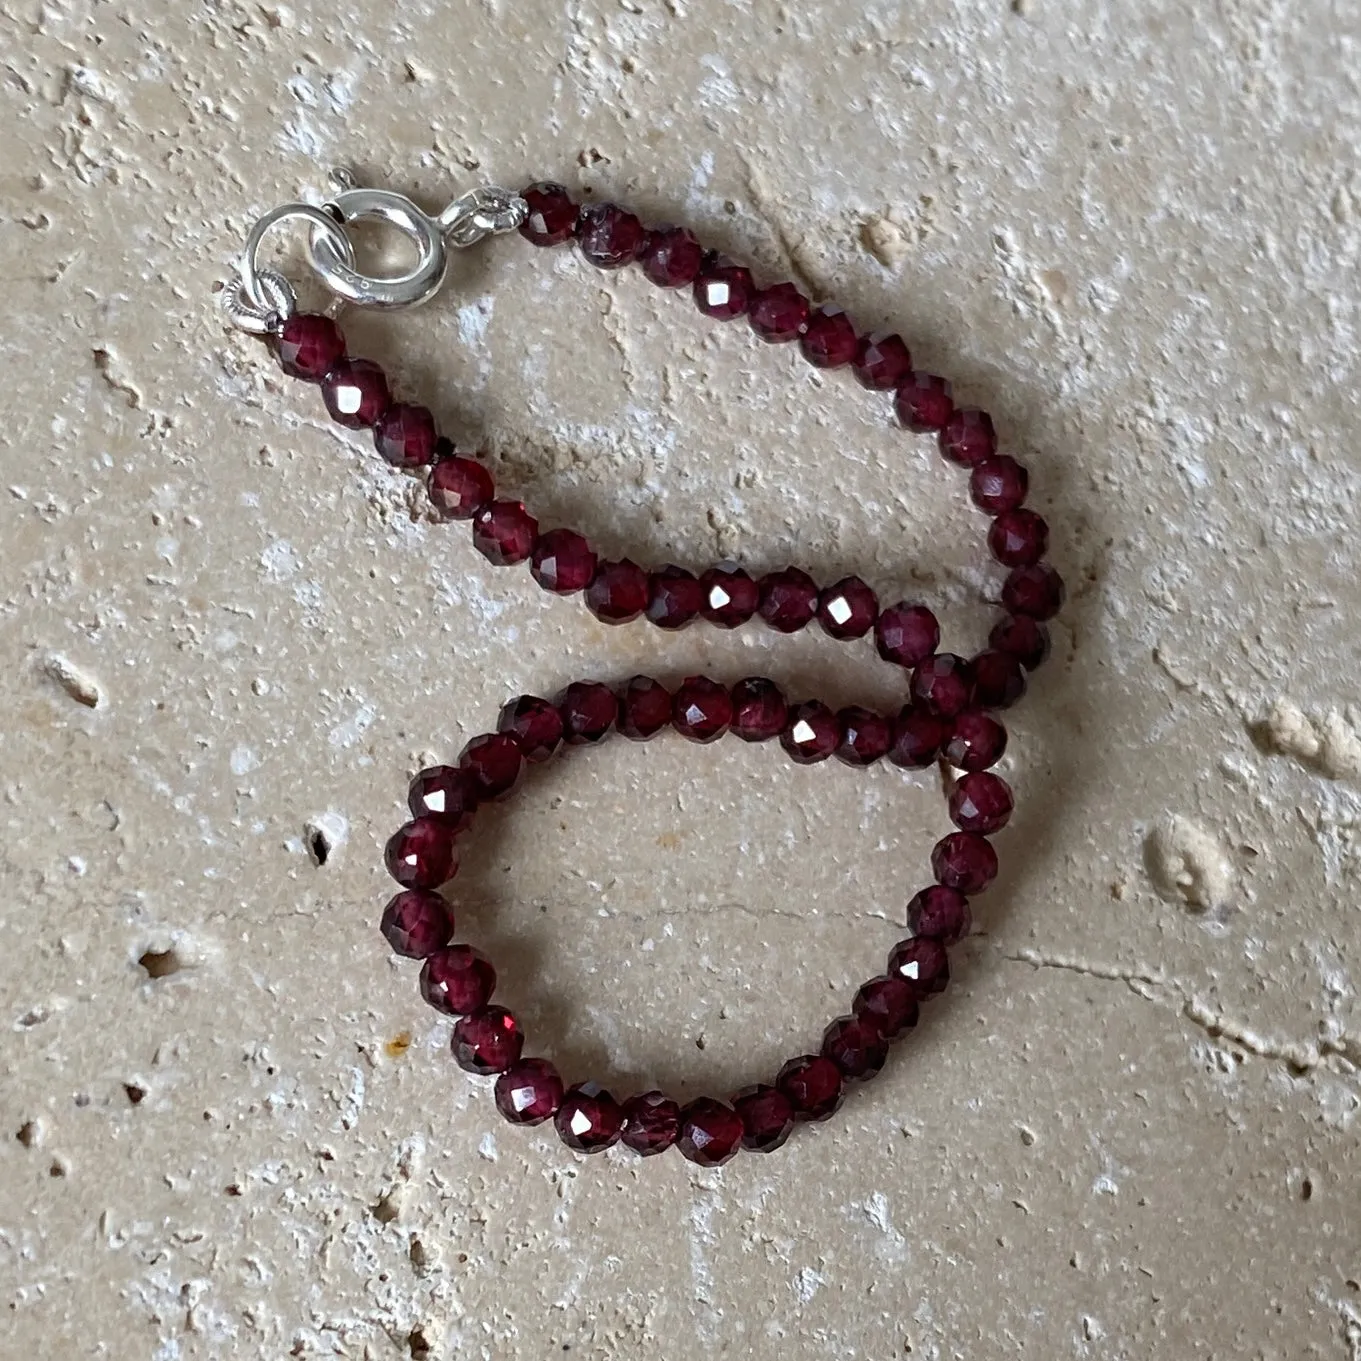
(231,633)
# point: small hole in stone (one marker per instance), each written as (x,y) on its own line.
(232,1190)
(1027,1137)
(420,1259)
(418,1345)
(161,963)
(1306,1189)
(135,1092)
(82,1099)
(318,845)
(29,1134)
(58,1168)
(699,1041)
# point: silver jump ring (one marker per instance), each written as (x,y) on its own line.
(322,222)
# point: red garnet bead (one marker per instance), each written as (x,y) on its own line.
(923,962)
(882,361)
(1018,538)
(445,793)
(976,741)
(729,596)
(487,1041)
(778,313)
(529,1093)
(1023,638)
(767,1117)
(923,402)
(504,532)
(458,487)
(723,290)
(417,923)
(855,1045)
(495,761)
(309,346)
(618,592)
(589,710)
(710,1132)
(651,1123)
(552,214)
(812,1085)
(458,980)
(672,257)
(917,738)
(789,599)
(968,437)
(535,724)
(981,802)
(888,1003)
(941,913)
(644,708)
(998,680)
(405,435)
(964,861)
(906,634)
(828,340)
(589,1119)
(356,393)
(1035,591)
(674,597)
(811,733)
(943,685)
(702,709)
(865,736)
(562,562)
(759,710)
(998,484)
(848,609)
(609,235)
(421,854)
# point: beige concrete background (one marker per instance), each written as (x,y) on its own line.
(1130,1127)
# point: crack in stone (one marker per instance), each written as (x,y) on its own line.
(792,250)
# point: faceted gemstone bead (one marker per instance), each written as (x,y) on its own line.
(309,346)
(723,290)
(487,1041)
(356,393)
(535,724)
(1036,591)
(941,913)
(865,736)
(458,980)
(964,861)
(917,738)
(882,361)
(778,313)
(421,853)
(1018,538)
(998,484)
(552,214)
(759,709)
(589,710)
(848,609)
(445,793)
(495,761)
(504,532)
(766,1115)
(1023,637)
(923,402)
(906,634)
(589,1119)
(942,685)
(710,1132)
(416,923)
(923,962)
(855,1046)
(729,596)
(981,802)
(458,487)
(618,592)
(811,733)
(671,257)
(651,1123)
(888,1003)
(644,708)
(788,599)
(529,1092)
(812,1084)
(702,709)
(562,562)
(998,680)
(405,435)
(976,741)
(968,437)
(609,236)
(828,340)
(674,597)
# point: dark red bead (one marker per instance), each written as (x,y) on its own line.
(812,1085)
(964,861)
(710,1132)
(943,684)
(923,962)
(644,708)
(1036,591)
(535,724)
(651,1123)
(504,532)
(495,760)
(789,599)
(865,736)
(888,1003)
(702,709)
(882,361)
(855,1046)
(405,435)
(981,802)
(976,741)
(923,402)
(998,484)
(416,923)
(309,346)
(445,793)
(487,1041)
(941,913)
(1024,638)
(917,738)
(778,313)
(562,562)
(356,393)
(671,257)
(729,596)
(766,1115)
(968,437)
(552,215)
(723,290)
(998,680)
(459,487)
(828,340)
(529,1093)
(674,597)
(588,1119)
(906,634)
(589,711)
(811,733)
(458,980)
(618,592)
(421,853)
(848,609)
(759,709)
(609,236)
(1018,538)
